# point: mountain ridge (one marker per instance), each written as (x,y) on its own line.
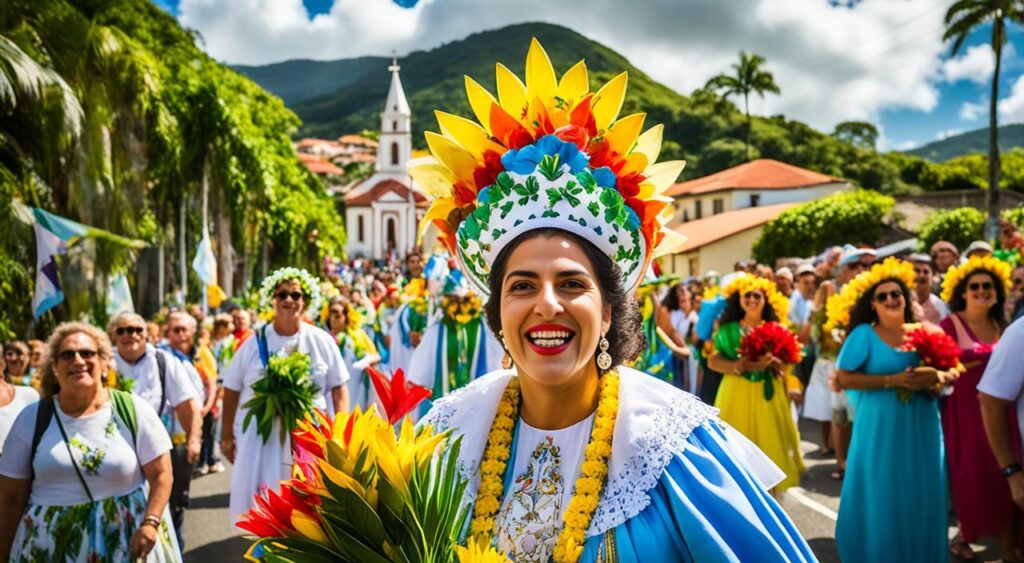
(1010,135)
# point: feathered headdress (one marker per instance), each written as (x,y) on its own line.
(547,153)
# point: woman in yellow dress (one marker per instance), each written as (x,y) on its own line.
(755,392)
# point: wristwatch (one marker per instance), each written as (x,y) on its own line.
(1011,469)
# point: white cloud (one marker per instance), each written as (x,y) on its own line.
(948,133)
(1011,108)
(970,111)
(832,63)
(975,65)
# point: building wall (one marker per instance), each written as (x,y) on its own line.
(355,246)
(721,255)
(686,206)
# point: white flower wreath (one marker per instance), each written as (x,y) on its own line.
(309,284)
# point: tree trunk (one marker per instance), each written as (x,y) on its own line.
(182,253)
(992,197)
(746,109)
(225,251)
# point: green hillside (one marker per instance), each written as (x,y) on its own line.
(971,142)
(299,80)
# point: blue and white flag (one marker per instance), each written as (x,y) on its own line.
(119,296)
(205,263)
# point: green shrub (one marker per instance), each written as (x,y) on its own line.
(810,228)
(959,226)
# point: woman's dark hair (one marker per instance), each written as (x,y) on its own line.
(734,310)
(625,338)
(671,300)
(997,312)
(862,313)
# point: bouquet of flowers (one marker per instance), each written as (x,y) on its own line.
(284,393)
(463,311)
(117,381)
(936,349)
(359,492)
(415,294)
(771,338)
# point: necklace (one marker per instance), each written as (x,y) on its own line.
(588,487)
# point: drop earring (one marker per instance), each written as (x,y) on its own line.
(506,360)
(604,359)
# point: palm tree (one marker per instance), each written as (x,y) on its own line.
(748,78)
(963,17)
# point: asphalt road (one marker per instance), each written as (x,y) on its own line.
(209,537)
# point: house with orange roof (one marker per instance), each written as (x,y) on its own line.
(762,182)
(719,241)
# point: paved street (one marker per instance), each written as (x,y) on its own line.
(813,507)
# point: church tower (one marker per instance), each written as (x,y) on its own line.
(395,148)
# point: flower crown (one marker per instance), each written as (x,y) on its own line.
(747,283)
(956,274)
(309,284)
(547,153)
(839,305)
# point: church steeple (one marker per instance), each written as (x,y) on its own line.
(395,127)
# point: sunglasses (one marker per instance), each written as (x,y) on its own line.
(179,329)
(980,286)
(69,355)
(753,295)
(123,330)
(14,353)
(282,295)
(884,296)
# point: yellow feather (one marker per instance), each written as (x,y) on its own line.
(608,101)
(469,134)
(480,100)
(624,132)
(511,91)
(540,76)
(439,209)
(663,174)
(649,143)
(431,176)
(454,157)
(574,83)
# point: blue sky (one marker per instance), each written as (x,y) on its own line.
(879,60)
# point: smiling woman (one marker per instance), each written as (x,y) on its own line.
(570,455)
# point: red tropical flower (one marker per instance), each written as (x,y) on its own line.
(936,349)
(771,338)
(397,396)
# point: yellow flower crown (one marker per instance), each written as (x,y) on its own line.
(839,305)
(999,269)
(746,283)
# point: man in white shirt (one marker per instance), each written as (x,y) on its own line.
(172,394)
(1000,390)
(933,309)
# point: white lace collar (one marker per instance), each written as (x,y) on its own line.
(653,424)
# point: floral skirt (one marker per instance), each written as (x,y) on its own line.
(96,531)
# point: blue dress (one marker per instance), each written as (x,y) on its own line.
(894,501)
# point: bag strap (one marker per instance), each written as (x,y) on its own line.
(67,444)
(261,345)
(43,416)
(161,368)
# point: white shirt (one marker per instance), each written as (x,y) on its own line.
(327,366)
(146,374)
(1004,375)
(546,466)
(682,322)
(799,309)
(102,448)
(23,397)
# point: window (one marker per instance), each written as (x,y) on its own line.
(392,234)
(717,206)
(394,126)
(698,209)
(755,200)
(686,215)
(694,266)
(394,153)
(359,229)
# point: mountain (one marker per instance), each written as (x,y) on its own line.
(973,141)
(434,79)
(299,80)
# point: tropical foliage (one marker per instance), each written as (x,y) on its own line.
(113,116)
(747,78)
(959,226)
(810,228)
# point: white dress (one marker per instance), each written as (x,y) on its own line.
(258,464)
(432,354)
(360,390)
(401,350)
(23,397)
(683,322)
(818,398)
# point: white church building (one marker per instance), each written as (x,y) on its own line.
(382,212)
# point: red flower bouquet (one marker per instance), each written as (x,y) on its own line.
(771,338)
(936,349)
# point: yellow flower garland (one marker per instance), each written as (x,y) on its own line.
(839,306)
(588,487)
(746,283)
(999,269)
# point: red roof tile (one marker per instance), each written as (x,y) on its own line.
(378,190)
(762,174)
(356,140)
(705,231)
(311,142)
(317,165)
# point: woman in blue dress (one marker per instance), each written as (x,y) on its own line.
(893,505)
(553,213)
